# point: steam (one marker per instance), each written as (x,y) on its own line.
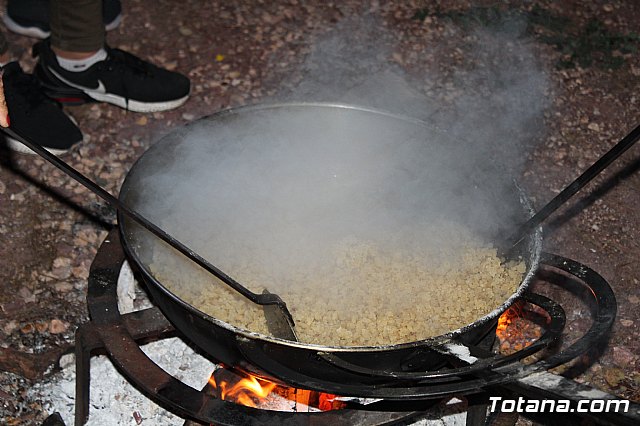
(276,189)
(486,105)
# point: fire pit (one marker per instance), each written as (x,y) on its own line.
(471,370)
(270,193)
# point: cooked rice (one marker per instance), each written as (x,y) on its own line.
(368,298)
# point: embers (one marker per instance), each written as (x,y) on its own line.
(520,326)
(243,388)
(117,334)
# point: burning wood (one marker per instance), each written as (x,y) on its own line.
(516,329)
(245,389)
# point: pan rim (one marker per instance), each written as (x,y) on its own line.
(535,250)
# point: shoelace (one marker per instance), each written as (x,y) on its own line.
(126,60)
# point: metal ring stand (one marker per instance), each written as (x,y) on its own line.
(118,334)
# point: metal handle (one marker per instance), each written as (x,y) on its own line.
(260,299)
(575,186)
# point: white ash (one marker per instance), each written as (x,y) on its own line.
(461,351)
(453,413)
(126,289)
(114,401)
(131,295)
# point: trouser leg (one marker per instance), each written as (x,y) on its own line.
(77,25)
(4,45)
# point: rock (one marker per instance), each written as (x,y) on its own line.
(171,65)
(185,31)
(57,326)
(41,327)
(61,262)
(12,307)
(80,272)
(623,356)
(27,328)
(28,365)
(613,376)
(67,360)
(26,295)
(10,327)
(142,121)
(626,322)
(63,287)
(61,268)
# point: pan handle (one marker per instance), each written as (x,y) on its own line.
(264,299)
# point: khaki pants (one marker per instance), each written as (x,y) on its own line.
(76,26)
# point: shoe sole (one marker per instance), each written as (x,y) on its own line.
(16,146)
(36,32)
(113,24)
(137,106)
(73,96)
(68,93)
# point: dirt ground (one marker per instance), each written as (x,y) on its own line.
(234,54)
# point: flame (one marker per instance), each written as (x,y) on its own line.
(509,316)
(246,389)
(514,331)
(326,401)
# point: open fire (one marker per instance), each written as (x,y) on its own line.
(518,328)
(246,389)
(282,404)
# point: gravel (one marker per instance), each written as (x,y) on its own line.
(240,52)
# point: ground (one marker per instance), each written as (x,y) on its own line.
(235,53)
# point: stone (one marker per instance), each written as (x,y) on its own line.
(623,357)
(57,326)
(613,376)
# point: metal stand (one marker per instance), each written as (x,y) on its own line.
(117,334)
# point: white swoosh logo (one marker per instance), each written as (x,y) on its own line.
(100,89)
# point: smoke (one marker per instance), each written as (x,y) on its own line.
(273,190)
(482,91)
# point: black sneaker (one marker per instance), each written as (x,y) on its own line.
(34,115)
(31,17)
(122,79)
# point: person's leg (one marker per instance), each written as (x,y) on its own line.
(32,18)
(76,27)
(76,66)
(5,57)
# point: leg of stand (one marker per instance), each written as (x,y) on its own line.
(54,420)
(477,411)
(86,341)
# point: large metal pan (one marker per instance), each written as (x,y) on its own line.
(269,356)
